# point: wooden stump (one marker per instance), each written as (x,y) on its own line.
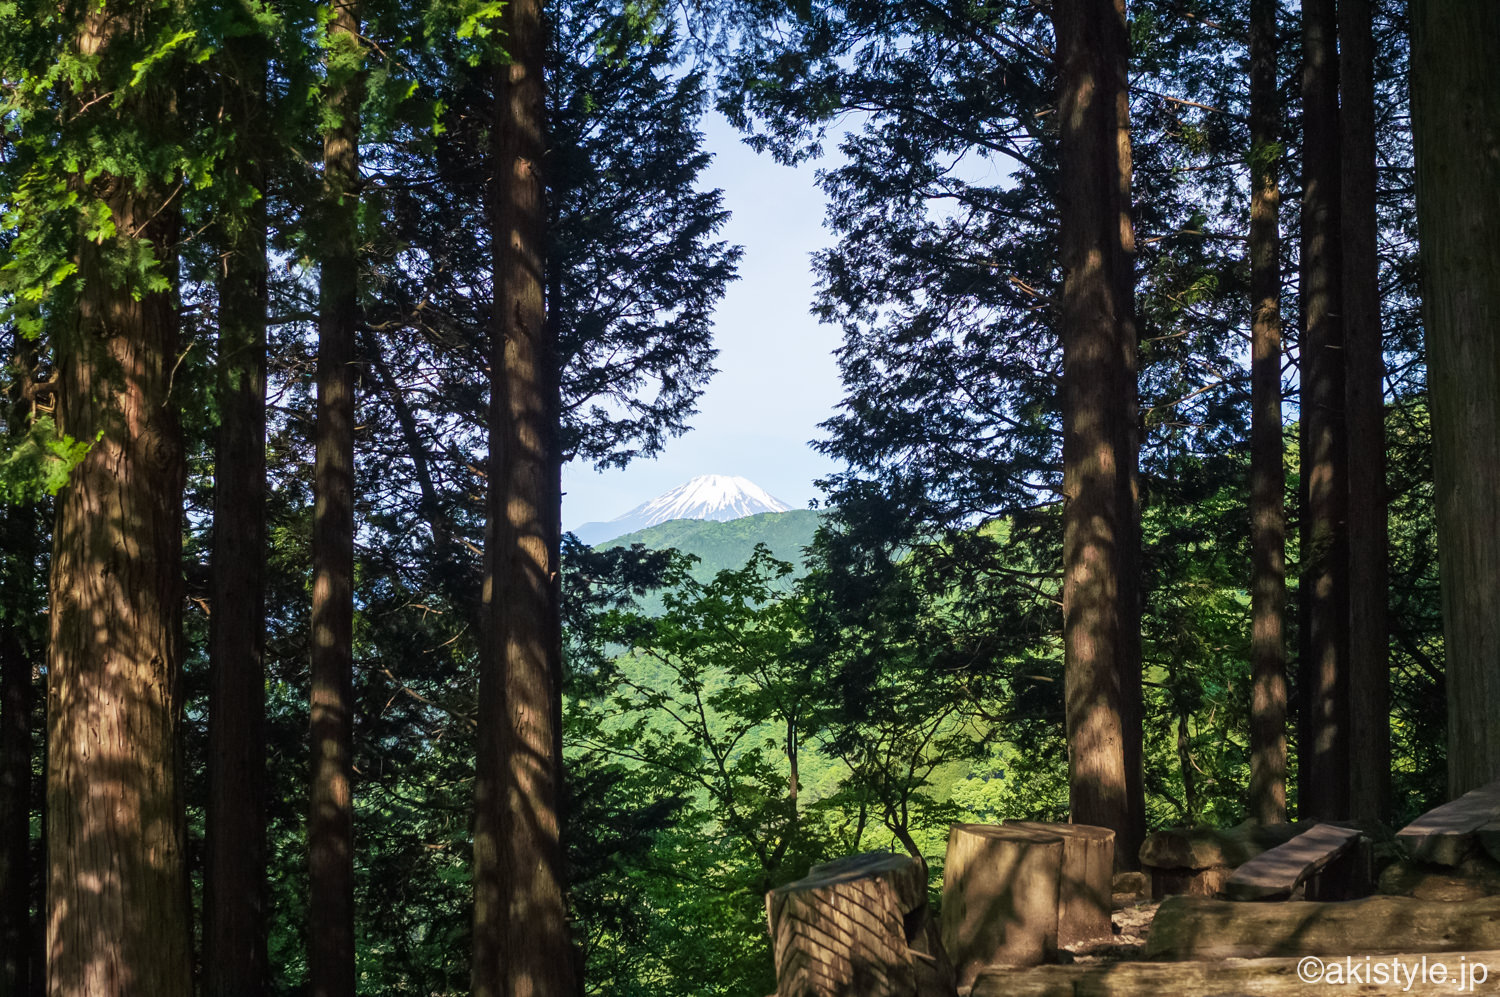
(840,931)
(1000,897)
(908,880)
(1088,865)
(1188,928)
(907,876)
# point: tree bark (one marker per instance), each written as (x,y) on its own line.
(234,884)
(1101,600)
(15,810)
(1456,130)
(18,589)
(331,823)
(1268,693)
(117,896)
(522,946)
(1323,748)
(1369,669)
(1132,700)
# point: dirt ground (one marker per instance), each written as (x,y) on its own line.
(1132,919)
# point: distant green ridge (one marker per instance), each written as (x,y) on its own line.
(722,545)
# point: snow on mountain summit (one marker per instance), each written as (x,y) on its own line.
(710,496)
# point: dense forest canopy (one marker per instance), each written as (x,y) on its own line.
(1167,495)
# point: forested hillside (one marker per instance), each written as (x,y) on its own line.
(720,546)
(1166,491)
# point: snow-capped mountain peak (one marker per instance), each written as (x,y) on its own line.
(710,496)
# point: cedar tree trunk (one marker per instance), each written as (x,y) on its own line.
(1323,748)
(117,893)
(1456,129)
(522,946)
(1268,691)
(15,806)
(18,583)
(1369,670)
(331,822)
(1101,608)
(234,883)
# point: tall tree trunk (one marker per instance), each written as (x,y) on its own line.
(522,946)
(1369,670)
(1132,706)
(18,549)
(1268,691)
(117,897)
(1456,130)
(15,805)
(1100,543)
(39,881)
(331,822)
(1323,744)
(234,885)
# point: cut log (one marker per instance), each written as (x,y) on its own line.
(1275,873)
(1088,864)
(1401,973)
(1193,928)
(1446,834)
(840,935)
(1000,897)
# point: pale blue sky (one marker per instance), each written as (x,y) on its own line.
(777,377)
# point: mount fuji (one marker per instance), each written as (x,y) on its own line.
(709,496)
